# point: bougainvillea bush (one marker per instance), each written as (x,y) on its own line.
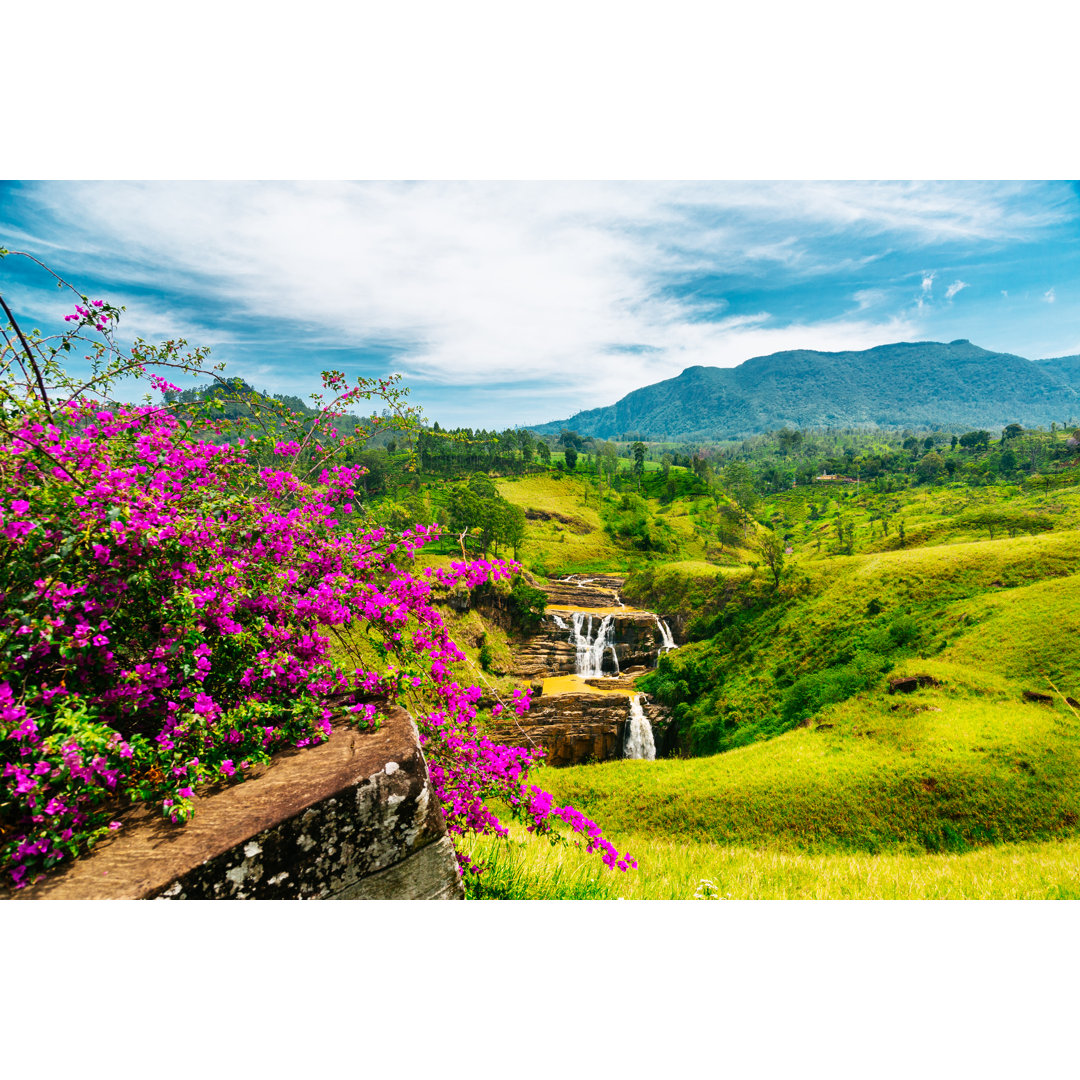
(169,593)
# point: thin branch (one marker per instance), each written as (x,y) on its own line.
(29,355)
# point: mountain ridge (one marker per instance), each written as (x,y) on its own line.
(902,384)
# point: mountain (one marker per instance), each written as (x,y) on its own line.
(1066,369)
(922,384)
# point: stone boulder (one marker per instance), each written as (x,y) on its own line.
(354,818)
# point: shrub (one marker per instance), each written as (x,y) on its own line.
(167,603)
(812,693)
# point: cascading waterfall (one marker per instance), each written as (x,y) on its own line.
(590,651)
(639,738)
(592,638)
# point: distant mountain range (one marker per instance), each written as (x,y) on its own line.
(923,384)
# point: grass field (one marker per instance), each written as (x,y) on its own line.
(555,547)
(677,870)
(962,789)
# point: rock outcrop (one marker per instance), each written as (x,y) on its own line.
(354,818)
(577,729)
(550,651)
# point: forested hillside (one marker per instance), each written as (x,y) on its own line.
(913,384)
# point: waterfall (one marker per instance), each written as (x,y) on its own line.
(665,633)
(559,622)
(590,650)
(639,739)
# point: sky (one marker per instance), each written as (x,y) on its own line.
(513,303)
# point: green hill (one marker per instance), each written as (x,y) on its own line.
(1066,369)
(907,384)
(965,786)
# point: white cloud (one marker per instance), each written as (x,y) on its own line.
(954,288)
(523,281)
(867,298)
(1049,295)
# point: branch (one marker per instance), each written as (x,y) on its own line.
(29,356)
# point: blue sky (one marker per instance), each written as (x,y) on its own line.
(507,303)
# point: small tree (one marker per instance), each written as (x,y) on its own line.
(930,467)
(771,549)
(638,450)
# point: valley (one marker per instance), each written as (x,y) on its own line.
(893,713)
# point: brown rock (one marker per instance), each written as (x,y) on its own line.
(1037,698)
(574,729)
(351,818)
(910,683)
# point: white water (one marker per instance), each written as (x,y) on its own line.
(589,663)
(639,739)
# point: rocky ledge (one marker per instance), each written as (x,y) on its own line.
(549,650)
(354,818)
(585,591)
(576,729)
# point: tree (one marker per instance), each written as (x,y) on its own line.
(570,457)
(739,484)
(930,467)
(638,450)
(771,549)
(789,440)
(728,527)
(511,526)
(973,440)
(607,462)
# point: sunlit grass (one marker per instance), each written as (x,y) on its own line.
(676,870)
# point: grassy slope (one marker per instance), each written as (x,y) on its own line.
(930,515)
(945,770)
(960,789)
(969,597)
(553,547)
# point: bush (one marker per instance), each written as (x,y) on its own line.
(167,604)
(812,693)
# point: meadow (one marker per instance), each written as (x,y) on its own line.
(799,773)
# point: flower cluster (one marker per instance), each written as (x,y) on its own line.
(173,611)
(98,319)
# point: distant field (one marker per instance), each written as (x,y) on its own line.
(929,515)
(557,547)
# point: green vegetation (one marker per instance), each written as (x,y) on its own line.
(806,571)
(921,384)
(680,870)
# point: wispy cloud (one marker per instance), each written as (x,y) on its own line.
(494,283)
(1049,296)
